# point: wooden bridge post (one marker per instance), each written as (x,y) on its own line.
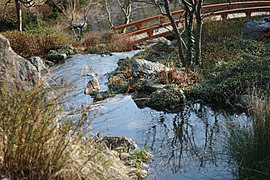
(161,19)
(150,34)
(138,26)
(224,16)
(248,13)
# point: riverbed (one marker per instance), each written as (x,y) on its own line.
(185,145)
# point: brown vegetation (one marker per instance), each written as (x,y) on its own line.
(106,42)
(179,77)
(28,45)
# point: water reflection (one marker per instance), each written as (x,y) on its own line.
(189,140)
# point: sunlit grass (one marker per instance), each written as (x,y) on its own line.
(37,141)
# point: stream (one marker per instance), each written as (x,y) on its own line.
(185,145)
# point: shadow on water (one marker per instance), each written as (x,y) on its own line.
(186,145)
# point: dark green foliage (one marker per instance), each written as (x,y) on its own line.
(6,25)
(30,20)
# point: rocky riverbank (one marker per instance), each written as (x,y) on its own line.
(231,69)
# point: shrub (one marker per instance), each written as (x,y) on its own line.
(28,45)
(38,142)
(249,146)
(218,31)
(106,42)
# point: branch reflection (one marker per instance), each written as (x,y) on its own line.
(187,139)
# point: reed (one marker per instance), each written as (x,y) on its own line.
(38,142)
(249,146)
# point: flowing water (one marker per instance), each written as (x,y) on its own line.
(186,145)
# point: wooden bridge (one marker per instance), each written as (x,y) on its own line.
(159,25)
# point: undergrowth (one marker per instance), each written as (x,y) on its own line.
(231,65)
(107,42)
(38,142)
(27,45)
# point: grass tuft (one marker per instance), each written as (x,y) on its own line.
(249,146)
(37,141)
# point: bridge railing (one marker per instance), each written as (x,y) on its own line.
(149,25)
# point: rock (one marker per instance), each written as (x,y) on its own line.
(257,29)
(39,64)
(56,57)
(60,55)
(119,144)
(159,40)
(92,87)
(149,85)
(167,99)
(142,67)
(18,72)
(103,95)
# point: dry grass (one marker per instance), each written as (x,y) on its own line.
(107,41)
(37,141)
(28,45)
(179,77)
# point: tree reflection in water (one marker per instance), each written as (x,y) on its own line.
(191,138)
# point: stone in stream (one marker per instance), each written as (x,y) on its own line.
(144,68)
(166,99)
(257,29)
(39,64)
(16,71)
(92,87)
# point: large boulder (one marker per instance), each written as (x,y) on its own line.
(18,72)
(144,68)
(257,29)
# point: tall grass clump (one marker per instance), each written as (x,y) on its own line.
(38,142)
(249,147)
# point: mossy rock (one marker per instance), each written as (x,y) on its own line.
(169,99)
(60,54)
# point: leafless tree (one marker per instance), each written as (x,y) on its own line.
(128,7)
(193,11)
(18,5)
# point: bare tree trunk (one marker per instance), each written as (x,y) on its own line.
(19,15)
(199,26)
(176,33)
(126,8)
(108,11)
(189,15)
